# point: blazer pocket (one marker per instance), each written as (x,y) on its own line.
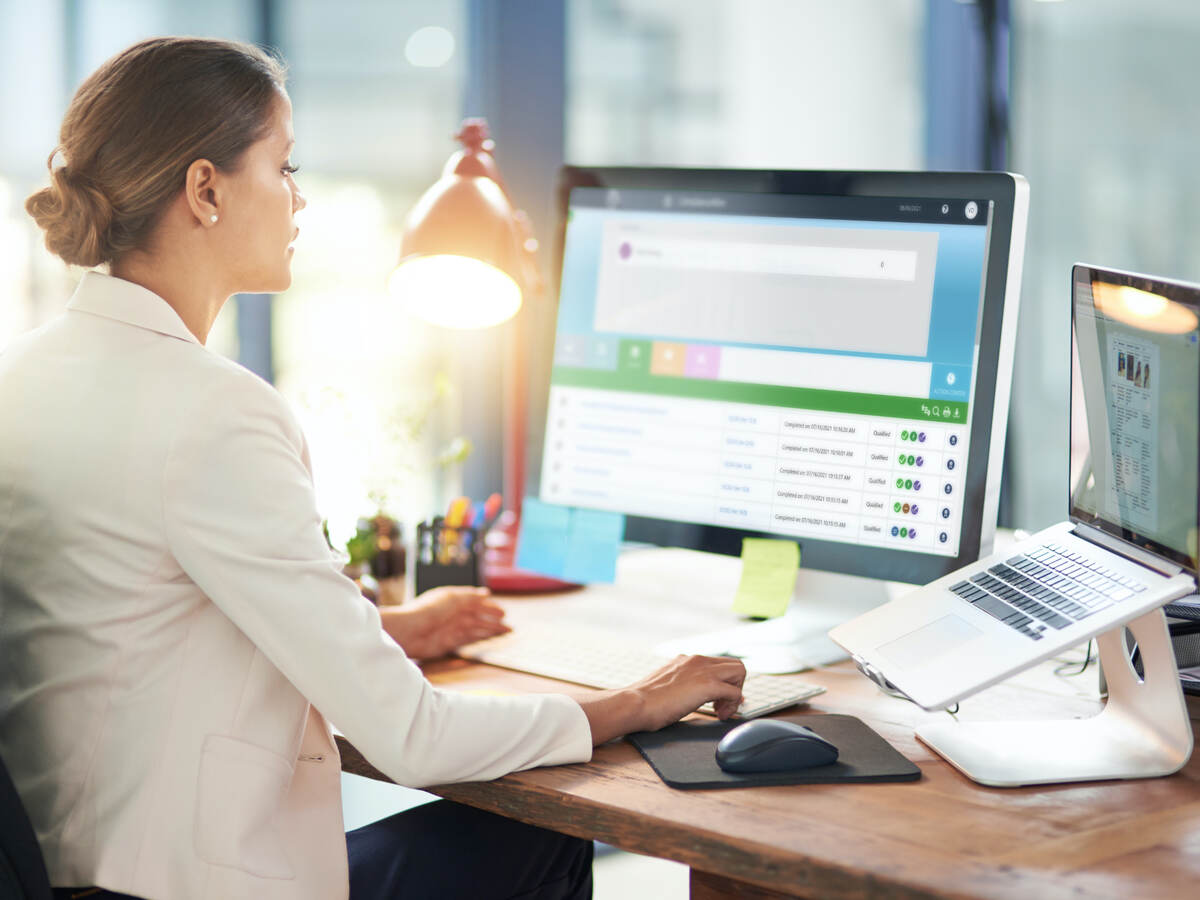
(239,793)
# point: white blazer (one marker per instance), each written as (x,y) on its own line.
(169,610)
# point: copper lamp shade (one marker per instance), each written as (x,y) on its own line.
(466,255)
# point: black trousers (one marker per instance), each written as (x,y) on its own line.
(446,851)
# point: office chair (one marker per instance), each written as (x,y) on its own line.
(22,871)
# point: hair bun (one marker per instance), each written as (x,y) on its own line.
(76,216)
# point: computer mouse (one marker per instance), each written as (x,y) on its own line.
(773,745)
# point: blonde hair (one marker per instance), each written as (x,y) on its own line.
(133,128)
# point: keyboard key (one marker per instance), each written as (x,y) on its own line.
(996,608)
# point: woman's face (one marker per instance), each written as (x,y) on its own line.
(257,226)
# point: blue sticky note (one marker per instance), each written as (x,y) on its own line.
(544,537)
(593,542)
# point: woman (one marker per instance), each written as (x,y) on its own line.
(175,636)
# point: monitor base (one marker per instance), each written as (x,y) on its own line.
(1142,732)
(799,639)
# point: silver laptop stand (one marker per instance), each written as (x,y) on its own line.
(1142,732)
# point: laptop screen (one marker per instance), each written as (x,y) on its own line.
(1135,402)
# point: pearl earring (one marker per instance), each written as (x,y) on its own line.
(213,219)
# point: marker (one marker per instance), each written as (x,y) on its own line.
(491,508)
(455,516)
(491,512)
(456,512)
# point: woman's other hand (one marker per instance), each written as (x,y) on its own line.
(443,619)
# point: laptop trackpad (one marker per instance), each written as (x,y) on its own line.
(919,647)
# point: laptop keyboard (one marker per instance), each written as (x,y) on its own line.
(1049,587)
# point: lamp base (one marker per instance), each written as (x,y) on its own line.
(501,579)
(500,576)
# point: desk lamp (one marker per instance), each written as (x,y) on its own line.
(467,257)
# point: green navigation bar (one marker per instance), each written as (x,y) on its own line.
(637,379)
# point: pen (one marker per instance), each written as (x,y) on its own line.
(491,511)
(454,520)
(456,512)
(437,527)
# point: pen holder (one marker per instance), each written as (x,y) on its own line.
(447,556)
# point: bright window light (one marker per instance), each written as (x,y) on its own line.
(429,47)
(455,291)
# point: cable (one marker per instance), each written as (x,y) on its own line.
(892,691)
(1063,670)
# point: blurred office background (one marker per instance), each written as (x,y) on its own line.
(1093,100)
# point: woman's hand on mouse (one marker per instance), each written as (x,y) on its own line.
(665,696)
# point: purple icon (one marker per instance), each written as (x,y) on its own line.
(953,440)
(945,512)
(943,537)
(920,460)
(921,437)
(916,485)
(626,250)
(914,509)
(702,361)
(912,532)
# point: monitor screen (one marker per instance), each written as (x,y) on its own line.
(1135,399)
(808,362)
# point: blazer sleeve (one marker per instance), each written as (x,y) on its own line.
(241,519)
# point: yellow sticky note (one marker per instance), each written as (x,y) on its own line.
(769,570)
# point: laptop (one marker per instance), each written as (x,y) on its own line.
(1128,544)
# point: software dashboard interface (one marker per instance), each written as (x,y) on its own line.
(794,365)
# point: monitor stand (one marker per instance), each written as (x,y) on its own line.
(799,639)
(1142,732)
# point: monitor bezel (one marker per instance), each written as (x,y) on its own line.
(1007,193)
(1181,292)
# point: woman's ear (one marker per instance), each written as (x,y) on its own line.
(201,192)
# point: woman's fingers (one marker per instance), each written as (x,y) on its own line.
(479,632)
(727,691)
(455,595)
(688,682)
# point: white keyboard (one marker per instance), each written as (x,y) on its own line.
(582,658)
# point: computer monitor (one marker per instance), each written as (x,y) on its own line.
(819,356)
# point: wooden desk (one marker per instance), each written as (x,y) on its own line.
(943,836)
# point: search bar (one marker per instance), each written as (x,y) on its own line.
(825,371)
(769,259)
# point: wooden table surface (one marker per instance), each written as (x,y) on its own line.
(942,836)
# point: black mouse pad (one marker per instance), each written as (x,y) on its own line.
(684,755)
